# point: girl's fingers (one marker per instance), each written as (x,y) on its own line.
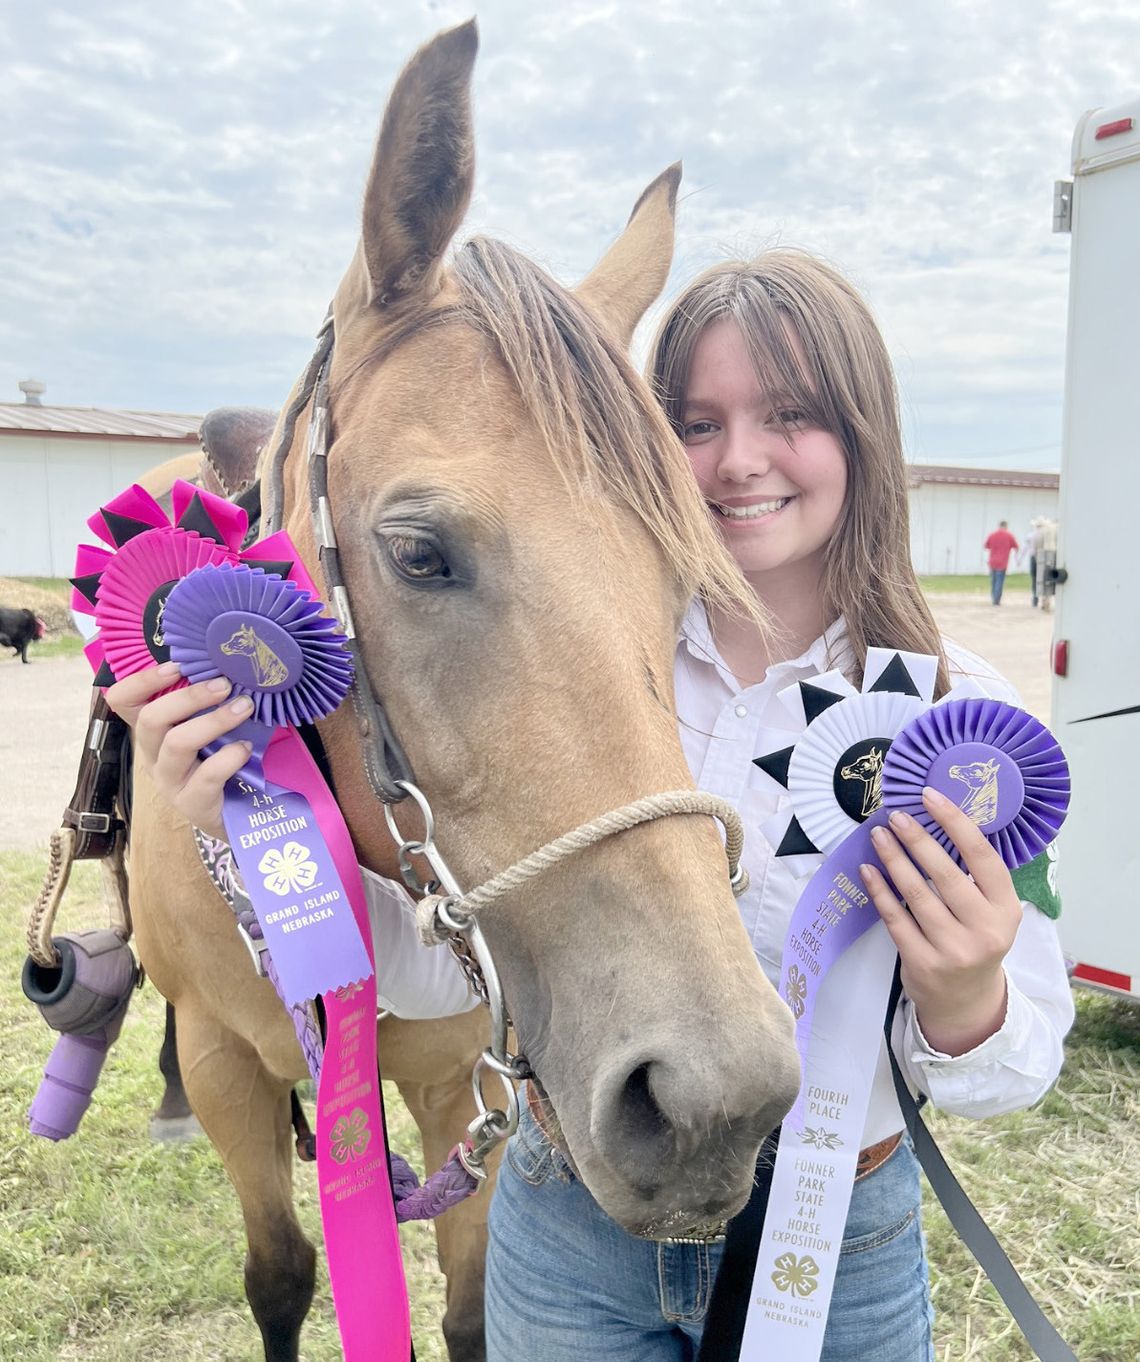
(931,913)
(951,884)
(177,757)
(905,931)
(981,859)
(126,697)
(201,798)
(156,719)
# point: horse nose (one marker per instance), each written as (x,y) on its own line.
(652,1116)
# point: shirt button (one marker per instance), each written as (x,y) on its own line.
(741,711)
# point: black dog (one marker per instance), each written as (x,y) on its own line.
(18,628)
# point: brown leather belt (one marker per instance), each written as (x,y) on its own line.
(875,1155)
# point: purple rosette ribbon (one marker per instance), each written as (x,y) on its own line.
(1000,765)
(267,635)
(275,644)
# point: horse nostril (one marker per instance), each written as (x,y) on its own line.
(641,1127)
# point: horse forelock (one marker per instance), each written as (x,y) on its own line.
(594,414)
(593,411)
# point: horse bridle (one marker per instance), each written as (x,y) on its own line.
(450,915)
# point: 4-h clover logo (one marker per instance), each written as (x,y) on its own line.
(795,1275)
(795,991)
(287,869)
(821,1139)
(350,1137)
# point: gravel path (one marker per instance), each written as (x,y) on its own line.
(44,706)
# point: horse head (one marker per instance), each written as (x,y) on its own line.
(981,779)
(975,774)
(869,769)
(520,532)
(242,641)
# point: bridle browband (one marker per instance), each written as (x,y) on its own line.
(447,913)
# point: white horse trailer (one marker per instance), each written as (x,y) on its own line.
(1096,650)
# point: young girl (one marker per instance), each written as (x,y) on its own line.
(775,376)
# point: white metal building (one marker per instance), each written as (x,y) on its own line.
(952,510)
(58,465)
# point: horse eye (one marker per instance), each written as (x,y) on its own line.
(417,559)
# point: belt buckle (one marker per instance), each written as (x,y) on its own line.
(94,822)
(715,1235)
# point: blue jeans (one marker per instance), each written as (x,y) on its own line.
(997,584)
(566,1284)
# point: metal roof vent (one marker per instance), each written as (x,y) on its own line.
(33,390)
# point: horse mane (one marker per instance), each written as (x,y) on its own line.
(594,413)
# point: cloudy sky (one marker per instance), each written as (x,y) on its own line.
(181,182)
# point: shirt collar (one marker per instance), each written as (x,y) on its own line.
(828,651)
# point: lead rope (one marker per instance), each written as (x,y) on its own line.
(1046,1343)
(439,915)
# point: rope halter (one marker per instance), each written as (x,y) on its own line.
(439,916)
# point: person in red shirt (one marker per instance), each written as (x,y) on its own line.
(1000,544)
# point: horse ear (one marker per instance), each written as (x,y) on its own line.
(423,169)
(622,285)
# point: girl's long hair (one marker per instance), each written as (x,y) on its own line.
(848,388)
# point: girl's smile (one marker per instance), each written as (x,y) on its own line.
(750,510)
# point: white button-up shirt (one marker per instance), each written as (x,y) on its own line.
(720,722)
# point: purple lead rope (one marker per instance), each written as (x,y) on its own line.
(446,1187)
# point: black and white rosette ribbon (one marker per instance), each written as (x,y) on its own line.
(845,760)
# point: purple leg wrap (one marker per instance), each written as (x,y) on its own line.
(84,996)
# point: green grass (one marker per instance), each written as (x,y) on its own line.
(113,1249)
(66,645)
(1057,1185)
(974,584)
(59,586)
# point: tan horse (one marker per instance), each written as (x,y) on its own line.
(519,532)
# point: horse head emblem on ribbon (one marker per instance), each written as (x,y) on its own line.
(869,769)
(268,669)
(158,638)
(981,799)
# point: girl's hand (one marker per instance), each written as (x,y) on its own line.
(170,731)
(958,931)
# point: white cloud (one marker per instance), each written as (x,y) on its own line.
(183,184)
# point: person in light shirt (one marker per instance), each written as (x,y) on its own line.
(774,375)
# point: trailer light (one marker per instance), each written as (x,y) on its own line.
(1061,657)
(1112,129)
(1106,978)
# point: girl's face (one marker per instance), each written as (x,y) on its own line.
(775,486)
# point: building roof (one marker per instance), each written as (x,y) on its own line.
(919,473)
(24,417)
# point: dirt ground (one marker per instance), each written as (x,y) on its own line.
(44,706)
